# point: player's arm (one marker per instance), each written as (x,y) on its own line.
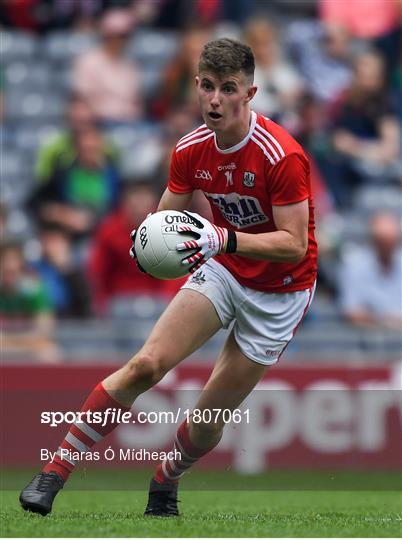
(174,201)
(288,186)
(287,244)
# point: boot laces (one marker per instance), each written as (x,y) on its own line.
(46,481)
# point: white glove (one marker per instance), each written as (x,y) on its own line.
(209,240)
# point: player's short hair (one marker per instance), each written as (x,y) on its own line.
(225,56)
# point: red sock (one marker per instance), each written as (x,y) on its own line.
(82,436)
(171,470)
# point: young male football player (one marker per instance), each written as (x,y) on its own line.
(256,266)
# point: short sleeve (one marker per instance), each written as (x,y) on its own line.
(289,180)
(178,177)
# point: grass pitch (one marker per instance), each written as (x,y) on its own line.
(217,513)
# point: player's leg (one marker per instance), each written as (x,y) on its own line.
(233,378)
(265,323)
(187,323)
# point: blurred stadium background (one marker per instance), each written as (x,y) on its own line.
(95,93)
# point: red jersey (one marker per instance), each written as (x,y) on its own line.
(242,183)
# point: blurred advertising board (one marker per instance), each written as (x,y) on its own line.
(308,416)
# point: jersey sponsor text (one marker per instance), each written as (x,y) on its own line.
(239,210)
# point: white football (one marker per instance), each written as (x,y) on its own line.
(156,241)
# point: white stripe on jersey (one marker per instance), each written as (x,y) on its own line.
(194,132)
(264,149)
(194,141)
(194,136)
(272,138)
(268,144)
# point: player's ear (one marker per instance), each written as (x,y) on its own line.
(251,92)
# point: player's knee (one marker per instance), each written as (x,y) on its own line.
(145,369)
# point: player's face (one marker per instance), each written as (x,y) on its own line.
(224,100)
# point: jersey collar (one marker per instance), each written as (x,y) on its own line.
(243,142)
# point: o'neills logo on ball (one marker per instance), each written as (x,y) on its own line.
(174,218)
(174,221)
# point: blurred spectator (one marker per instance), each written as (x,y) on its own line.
(323,55)
(366,20)
(25,312)
(14,223)
(66,285)
(112,272)
(20,14)
(42,15)
(310,128)
(178,83)
(105,79)
(179,121)
(177,14)
(61,151)
(79,193)
(366,131)
(370,279)
(376,20)
(279,85)
(3,221)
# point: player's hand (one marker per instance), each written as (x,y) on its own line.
(132,252)
(209,240)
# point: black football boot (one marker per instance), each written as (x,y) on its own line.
(162,500)
(39,494)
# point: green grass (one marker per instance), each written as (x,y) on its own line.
(257,513)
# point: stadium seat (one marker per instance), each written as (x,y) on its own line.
(151,80)
(140,148)
(29,138)
(79,341)
(18,224)
(64,46)
(355,226)
(62,79)
(372,198)
(141,307)
(126,136)
(153,47)
(34,105)
(17,46)
(23,75)
(15,188)
(14,164)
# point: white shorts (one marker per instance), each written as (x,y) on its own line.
(264,323)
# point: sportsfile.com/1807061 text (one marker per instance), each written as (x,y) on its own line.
(55,418)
